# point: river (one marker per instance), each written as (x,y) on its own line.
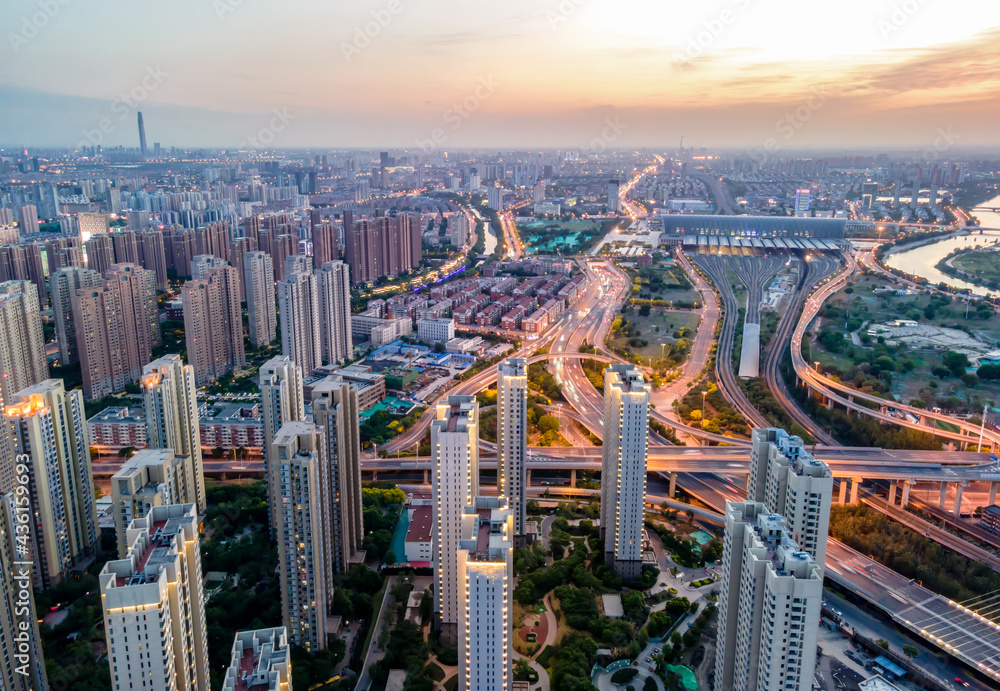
(922,261)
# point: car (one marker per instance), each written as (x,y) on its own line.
(961,682)
(649,659)
(656,650)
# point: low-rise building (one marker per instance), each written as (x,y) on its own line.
(233,426)
(379,331)
(436,330)
(118,427)
(418,535)
(370,385)
(261,661)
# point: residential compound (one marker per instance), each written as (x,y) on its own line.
(261,661)
(494,301)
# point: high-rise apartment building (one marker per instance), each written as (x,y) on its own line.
(382,246)
(202,263)
(485,587)
(100,251)
(213,323)
(298,309)
(335,409)
(63,285)
(454,485)
(114,325)
(614,196)
(333,281)
(786,478)
(147,479)
(20,642)
(769,605)
(154,256)
(260,661)
(802,202)
(27,217)
(326,248)
(126,247)
(281,401)
(458,229)
(623,467)
(512,437)
(22,344)
(258,284)
(172,422)
(50,438)
(154,605)
(303,525)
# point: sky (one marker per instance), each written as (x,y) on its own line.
(441,74)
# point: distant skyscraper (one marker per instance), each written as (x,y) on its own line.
(614,196)
(100,251)
(458,229)
(303,526)
(494,198)
(142,136)
(623,489)
(918,177)
(333,281)
(22,344)
(769,605)
(213,324)
(50,431)
(126,247)
(538,192)
(202,263)
(172,422)
(802,202)
(258,282)
(455,484)
(298,309)
(335,409)
(281,401)
(382,246)
(20,642)
(512,437)
(485,587)
(154,605)
(786,478)
(63,285)
(260,661)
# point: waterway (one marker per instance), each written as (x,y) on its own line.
(922,261)
(491,238)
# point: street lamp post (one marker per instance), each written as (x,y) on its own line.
(704,395)
(662,346)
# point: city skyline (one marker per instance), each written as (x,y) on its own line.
(530,75)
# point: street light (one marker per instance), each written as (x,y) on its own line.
(662,346)
(704,394)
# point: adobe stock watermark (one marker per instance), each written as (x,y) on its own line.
(613,127)
(224,7)
(32,24)
(700,43)
(790,123)
(562,12)
(364,34)
(265,135)
(942,143)
(900,14)
(124,105)
(458,113)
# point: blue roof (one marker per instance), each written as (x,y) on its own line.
(754,226)
(889,666)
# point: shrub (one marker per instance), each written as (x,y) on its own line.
(624,675)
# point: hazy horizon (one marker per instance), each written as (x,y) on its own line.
(733,74)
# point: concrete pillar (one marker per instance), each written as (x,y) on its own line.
(572,478)
(673,484)
(855,486)
(958,499)
(843,490)
(892,493)
(427,477)
(906,493)
(527,477)
(944,495)
(993,494)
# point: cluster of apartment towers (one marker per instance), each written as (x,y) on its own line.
(153,598)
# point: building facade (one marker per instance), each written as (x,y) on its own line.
(281,401)
(63,284)
(623,468)
(298,308)
(154,605)
(333,281)
(258,284)
(213,323)
(454,485)
(260,661)
(512,438)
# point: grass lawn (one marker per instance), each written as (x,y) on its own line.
(452,683)
(983,265)
(667,323)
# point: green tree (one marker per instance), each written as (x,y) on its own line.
(910,650)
